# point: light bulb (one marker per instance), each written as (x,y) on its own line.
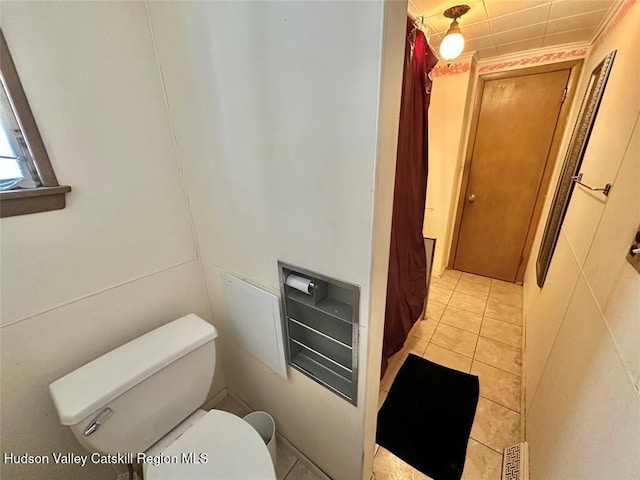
(453,42)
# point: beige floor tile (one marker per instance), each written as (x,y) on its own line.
(505,287)
(502,332)
(467,302)
(475,289)
(398,356)
(386,466)
(301,472)
(495,426)
(476,278)
(434,310)
(424,329)
(440,295)
(497,385)
(455,339)
(499,355)
(481,463)
(285,460)
(451,274)
(231,405)
(390,374)
(382,396)
(511,298)
(506,313)
(415,345)
(444,282)
(445,357)
(462,319)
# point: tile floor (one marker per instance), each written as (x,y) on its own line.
(288,465)
(472,324)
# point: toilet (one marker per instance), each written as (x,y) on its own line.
(141,402)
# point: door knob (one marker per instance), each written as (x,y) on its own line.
(472,197)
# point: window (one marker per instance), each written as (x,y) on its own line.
(27,181)
(17,169)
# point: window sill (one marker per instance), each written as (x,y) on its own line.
(32,200)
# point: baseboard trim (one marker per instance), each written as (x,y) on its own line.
(216,399)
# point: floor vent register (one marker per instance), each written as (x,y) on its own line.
(515,462)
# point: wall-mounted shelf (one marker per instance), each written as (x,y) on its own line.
(322,329)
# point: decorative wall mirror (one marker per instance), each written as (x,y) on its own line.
(569,175)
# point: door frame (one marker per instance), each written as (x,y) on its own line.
(575,67)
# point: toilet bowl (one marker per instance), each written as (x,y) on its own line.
(143,398)
(218,445)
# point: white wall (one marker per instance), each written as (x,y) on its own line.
(276,124)
(393,41)
(449,115)
(89,73)
(582,352)
(120,259)
(45,347)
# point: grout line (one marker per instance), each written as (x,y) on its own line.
(500,341)
(467,311)
(98,292)
(479,332)
(290,469)
(604,208)
(605,322)
(176,151)
(475,349)
(491,448)
(555,338)
(498,403)
(498,368)
(523,373)
(505,304)
(453,351)
(474,359)
(501,321)
(463,329)
(504,321)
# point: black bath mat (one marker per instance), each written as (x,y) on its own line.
(427,416)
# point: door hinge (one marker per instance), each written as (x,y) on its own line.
(564,94)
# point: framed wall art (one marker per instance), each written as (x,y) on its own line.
(573,159)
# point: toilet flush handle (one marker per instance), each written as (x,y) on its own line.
(99,420)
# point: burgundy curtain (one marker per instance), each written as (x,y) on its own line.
(407,282)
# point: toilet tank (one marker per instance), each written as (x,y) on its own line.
(150,385)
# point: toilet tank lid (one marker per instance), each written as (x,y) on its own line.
(92,386)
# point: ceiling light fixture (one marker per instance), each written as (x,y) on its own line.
(453,41)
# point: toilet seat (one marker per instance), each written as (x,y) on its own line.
(233,449)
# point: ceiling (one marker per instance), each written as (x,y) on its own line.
(499,27)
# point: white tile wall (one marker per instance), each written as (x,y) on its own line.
(585,403)
(548,313)
(583,417)
(41,349)
(90,74)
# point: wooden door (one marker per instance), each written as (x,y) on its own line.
(515,130)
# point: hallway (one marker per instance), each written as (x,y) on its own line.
(472,324)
